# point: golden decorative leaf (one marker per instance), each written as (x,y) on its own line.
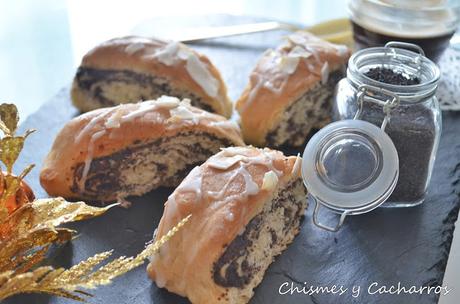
(31,260)
(14,192)
(83,268)
(10,147)
(15,252)
(32,282)
(9,117)
(67,283)
(27,233)
(57,211)
(12,187)
(26,171)
(4,128)
(28,229)
(3,213)
(49,212)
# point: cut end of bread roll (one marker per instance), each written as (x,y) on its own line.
(246,205)
(309,112)
(131,149)
(132,69)
(290,91)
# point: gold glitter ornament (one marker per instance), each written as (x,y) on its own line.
(29,227)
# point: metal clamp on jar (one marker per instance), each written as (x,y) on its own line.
(383,147)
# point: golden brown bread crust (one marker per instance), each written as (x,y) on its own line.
(140,55)
(104,131)
(281,77)
(223,195)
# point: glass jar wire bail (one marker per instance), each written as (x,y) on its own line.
(316,221)
(405,45)
(368,93)
(410,47)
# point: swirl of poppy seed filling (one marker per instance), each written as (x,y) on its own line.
(310,111)
(246,258)
(145,166)
(113,87)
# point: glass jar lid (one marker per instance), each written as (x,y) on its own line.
(350,166)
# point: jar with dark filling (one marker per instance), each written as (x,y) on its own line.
(414,124)
(427,23)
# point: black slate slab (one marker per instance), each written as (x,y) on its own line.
(386,246)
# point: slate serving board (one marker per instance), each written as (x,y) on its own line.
(386,246)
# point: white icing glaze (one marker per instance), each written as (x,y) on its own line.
(313,49)
(342,50)
(99,124)
(164,102)
(114,120)
(289,64)
(230,216)
(325,73)
(89,157)
(199,72)
(134,47)
(183,113)
(220,203)
(169,102)
(233,151)
(229,157)
(270,180)
(168,54)
(297,164)
(174,52)
(276,66)
(116,115)
(263,159)
(225,124)
(184,53)
(142,108)
(90,126)
(192,183)
(273,72)
(251,187)
(299,51)
(179,111)
(225,162)
(297,38)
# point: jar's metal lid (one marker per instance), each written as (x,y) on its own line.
(350,165)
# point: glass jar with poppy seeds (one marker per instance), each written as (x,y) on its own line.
(412,119)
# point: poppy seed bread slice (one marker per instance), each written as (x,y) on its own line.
(246,205)
(111,153)
(132,69)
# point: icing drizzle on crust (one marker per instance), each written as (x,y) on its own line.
(297,165)
(220,194)
(232,162)
(301,48)
(172,53)
(167,111)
